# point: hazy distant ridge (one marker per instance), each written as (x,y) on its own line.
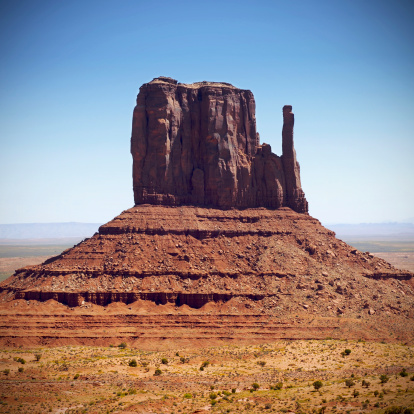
(47,230)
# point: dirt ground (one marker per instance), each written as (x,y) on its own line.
(228,379)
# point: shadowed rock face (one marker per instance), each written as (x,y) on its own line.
(197,144)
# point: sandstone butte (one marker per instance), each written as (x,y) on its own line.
(218,247)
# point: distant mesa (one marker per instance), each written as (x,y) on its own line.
(198,145)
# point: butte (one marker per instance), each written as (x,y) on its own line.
(219,246)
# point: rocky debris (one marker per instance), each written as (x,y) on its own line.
(197,145)
(196,256)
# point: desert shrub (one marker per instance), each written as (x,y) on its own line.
(6,371)
(278,386)
(184,360)
(38,357)
(144,364)
(412,378)
(233,390)
(177,354)
(365,384)
(404,373)
(355,393)
(398,410)
(205,364)
(261,363)
(133,363)
(21,360)
(157,372)
(317,385)
(201,368)
(21,369)
(268,406)
(76,376)
(132,391)
(384,378)
(347,351)
(122,345)
(211,387)
(164,361)
(188,395)
(226,393)
(255,386)
(213,395)
(349,383)
(376,393)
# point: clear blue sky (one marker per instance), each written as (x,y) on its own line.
(71,71)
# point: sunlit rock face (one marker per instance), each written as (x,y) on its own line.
(197,145)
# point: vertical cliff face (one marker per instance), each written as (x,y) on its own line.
(197,144)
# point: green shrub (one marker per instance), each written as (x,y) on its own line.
(133,363)
(164,361)
(404,373)
(255,386)
(188,395)
(122,345)
(213,395)
(132,391)
(384,378)
(157,372)
(233,390)
(349,383)
(278,386)
(347,351)
(317,385)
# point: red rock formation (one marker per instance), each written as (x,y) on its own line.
(197,144)
(205,273)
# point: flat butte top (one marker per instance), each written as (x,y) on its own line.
(195,85)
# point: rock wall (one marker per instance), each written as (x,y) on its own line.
(197,144)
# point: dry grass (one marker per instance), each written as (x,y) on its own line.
(100,380)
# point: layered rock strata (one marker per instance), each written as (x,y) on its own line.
(197,144)
(194,256)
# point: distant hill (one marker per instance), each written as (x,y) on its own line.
(47,230)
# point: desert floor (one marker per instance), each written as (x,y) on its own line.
(228,379)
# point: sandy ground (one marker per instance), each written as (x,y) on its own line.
(213,379)
(403,260)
